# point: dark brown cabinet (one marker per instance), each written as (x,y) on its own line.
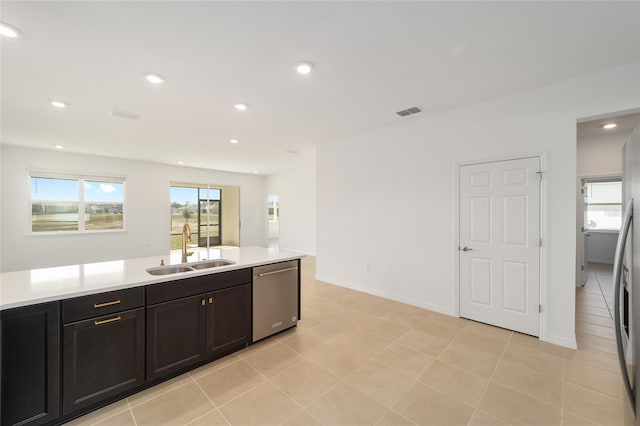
(65,358)
(191,330)
(30,364)
(228,319)
(176,335)
(102,357)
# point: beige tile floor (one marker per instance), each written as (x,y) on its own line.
(358,359)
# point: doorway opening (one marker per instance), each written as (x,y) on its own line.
(273,224)
(600,188)
(212,213)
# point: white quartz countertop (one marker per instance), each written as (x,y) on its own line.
(22,288)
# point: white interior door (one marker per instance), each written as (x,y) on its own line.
(500,243)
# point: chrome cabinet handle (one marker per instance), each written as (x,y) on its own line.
(465,248)
(617,275)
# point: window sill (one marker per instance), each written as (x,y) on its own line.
(79,233)
(604,231)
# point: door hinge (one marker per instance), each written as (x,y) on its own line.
(539,242)
(582,267)
(539,175)
(539,309)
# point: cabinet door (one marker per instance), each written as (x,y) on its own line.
(30,364)
(176,335)
(228,319)
(102,357)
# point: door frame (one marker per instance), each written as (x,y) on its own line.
(544,233)
(579,243)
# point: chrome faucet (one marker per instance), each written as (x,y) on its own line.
(186,236)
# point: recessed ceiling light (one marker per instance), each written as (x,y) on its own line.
(58,146)
(181,162)
(241,106)
(154,78)
(609,126)
(304,67)
(255,172)
(9,31)
(59,104)
(234,141)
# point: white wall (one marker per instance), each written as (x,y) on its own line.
(601,155)
(147,208)
(602,246)
(297,190)
(386,198)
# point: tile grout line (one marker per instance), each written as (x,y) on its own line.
(93,423)
(372,358)
(201,416)
(267,379)
(420,374)
(131,412)
(341,379)
(603,296)
(215,407)
(477,407)
(169,389)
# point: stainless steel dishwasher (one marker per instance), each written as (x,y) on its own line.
(275,298)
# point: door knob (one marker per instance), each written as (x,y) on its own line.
(465,248)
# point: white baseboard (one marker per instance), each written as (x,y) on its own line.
(409,301)
(607,261)
(562,341)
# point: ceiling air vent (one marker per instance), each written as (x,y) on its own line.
(409,111)
(124,114)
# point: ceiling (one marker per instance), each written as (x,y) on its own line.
(371,59)
(625,123)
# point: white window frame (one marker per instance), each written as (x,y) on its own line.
(587,204)
(81,178)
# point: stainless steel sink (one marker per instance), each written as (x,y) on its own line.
(166,270)
(214,263)
(174,269)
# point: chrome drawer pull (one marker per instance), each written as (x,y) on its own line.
(118,318)
(102,305)
(264,274)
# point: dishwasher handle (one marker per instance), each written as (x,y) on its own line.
(264,274)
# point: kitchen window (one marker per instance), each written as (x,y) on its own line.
(603,204)
(74,204)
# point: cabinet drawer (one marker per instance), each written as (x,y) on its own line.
(99,304)
(172,290)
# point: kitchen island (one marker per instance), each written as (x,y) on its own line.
(77,337)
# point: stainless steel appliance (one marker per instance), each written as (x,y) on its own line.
(627,289)
(275,298)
